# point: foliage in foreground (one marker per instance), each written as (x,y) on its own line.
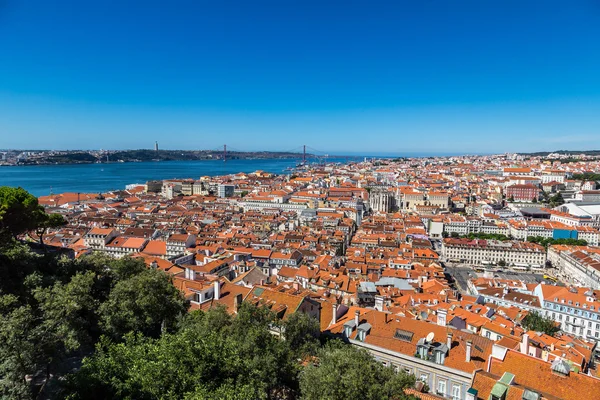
(131,328)
(54,310)
(343,372)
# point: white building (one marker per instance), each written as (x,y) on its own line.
(576,309)
(492,251)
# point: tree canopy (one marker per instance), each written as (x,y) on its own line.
(536,322)
(147,303)
(550,241)
(19,211)
(343,372)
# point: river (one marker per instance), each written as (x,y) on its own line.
(41,180)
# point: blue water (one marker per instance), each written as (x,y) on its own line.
(96,178)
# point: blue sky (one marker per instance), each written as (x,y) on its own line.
(340,76)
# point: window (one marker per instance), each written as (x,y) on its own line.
(455,392)
(423,378)
(441,389)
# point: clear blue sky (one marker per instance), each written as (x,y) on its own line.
(341,76)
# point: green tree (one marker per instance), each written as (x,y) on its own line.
(206,358)
(48,221)
(68,312)
(302,332)
(587,176)
(147,303)
(557,200)
(16,263)
(454,235)
(19,212)
(345,372)
(18,348)
(502,263)
(536,322)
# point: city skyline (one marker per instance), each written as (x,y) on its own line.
(343,77)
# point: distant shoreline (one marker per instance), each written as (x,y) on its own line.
(145,161)
(19,158)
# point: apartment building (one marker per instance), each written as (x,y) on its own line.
(522,192)
(456,224)
(492,251)
(123,246)
(98,238)
(224,190)
(443,358)
(438,199)
(576,309)
(580,265)
(178,244)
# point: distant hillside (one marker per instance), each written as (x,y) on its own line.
(193,155)
(85,157)
(571,152)
(81,157)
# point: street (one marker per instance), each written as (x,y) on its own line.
(462,273)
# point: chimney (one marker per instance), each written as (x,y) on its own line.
(379,300)
(471,394)
(237,301)
(357,317)
(449,340)
(334,319)
(525,344)
(441,317)
(468,355)
(217,286)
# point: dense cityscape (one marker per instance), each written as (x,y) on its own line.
(299,200)
(466,272)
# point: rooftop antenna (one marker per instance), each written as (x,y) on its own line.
(429,337)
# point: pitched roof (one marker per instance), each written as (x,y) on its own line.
(537,374)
